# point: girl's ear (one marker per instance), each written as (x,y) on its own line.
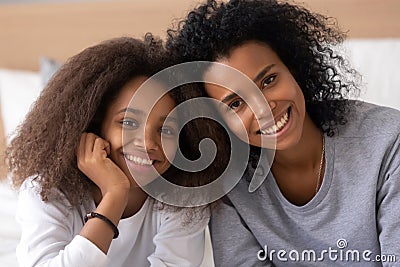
(95,124)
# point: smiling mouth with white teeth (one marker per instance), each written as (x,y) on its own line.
(278,126)
(138,160)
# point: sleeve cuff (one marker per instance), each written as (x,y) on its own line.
(88,252)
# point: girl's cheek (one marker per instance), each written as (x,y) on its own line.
(169,148)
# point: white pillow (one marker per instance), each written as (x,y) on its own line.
(48,68)
(377,61)
(18,90)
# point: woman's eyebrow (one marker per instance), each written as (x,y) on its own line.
(262,73)
(258,77)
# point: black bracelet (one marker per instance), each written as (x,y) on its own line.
(105,219)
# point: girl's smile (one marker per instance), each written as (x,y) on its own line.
(135,135)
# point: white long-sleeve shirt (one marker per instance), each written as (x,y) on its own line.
(152,237)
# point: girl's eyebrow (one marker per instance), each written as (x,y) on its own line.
(141,112)
(131,110)
(228,98)
(169,119)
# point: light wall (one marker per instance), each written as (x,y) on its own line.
(59,30)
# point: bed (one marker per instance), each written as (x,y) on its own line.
(37,37)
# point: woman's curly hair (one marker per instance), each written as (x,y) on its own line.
(303,40)
(74,101)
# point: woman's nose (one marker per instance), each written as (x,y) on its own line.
(263,109)
(271,104)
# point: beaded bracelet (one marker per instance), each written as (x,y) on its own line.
(103,218)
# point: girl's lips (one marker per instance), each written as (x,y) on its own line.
(139,160)
(140,155)
(141,172)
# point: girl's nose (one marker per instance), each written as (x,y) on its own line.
(145,139)
(151,139)
(138,141)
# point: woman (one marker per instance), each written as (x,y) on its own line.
(332,195)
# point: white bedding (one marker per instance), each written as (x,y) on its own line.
(375,59)
(9,231)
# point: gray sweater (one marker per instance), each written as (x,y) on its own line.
(354,219)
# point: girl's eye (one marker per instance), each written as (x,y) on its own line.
(236,104)
(267,81)
(130,123)
(167,131)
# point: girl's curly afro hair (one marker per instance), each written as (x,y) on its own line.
(304,41)
(74,101)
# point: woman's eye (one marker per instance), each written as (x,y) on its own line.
(235,104)
(268,81)
(130,123)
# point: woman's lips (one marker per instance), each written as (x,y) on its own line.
(279,125)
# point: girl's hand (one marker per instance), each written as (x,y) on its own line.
(93,161)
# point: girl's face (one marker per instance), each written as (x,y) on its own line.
(139,150)
(285,99)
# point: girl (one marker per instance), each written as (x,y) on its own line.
(332,195)
(80,205)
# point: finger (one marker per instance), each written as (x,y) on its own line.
(90,138)
(108,147)
(101,147)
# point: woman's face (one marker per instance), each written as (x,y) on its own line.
(136,142)
(282,93)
